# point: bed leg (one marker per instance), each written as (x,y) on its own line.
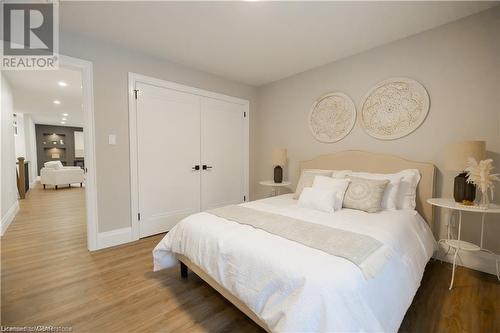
(184,270)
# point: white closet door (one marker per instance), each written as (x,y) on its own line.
(168,142)
(222,151)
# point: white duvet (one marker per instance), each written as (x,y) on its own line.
(295,288)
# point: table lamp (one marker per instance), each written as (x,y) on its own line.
(456,157)
(279,160)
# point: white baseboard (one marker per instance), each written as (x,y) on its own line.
(479,260)
(9,216)
(114,237)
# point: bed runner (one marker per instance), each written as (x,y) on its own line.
(364,251)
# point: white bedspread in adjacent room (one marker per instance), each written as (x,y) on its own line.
(295,288)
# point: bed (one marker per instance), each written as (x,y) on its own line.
(286,286)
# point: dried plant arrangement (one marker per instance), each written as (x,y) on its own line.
(480,175)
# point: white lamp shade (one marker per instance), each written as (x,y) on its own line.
(279,156)
(457,154)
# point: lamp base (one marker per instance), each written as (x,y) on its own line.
(463,191)
(278,174)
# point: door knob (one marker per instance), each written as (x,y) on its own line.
(196,167)
(205,167)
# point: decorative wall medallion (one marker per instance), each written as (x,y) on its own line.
(332,117)
(394,108)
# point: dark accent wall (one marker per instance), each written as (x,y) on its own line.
(48,142)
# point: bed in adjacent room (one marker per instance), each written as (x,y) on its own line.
(341,270)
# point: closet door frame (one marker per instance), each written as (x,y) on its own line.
(133,79)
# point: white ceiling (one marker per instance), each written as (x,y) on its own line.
(34,93)
(257,42)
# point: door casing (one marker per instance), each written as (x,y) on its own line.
(86,70)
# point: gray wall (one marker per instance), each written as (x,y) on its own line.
(8,167)
(67,154)
(458,63)
(111,65)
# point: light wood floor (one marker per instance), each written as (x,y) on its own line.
(49,278)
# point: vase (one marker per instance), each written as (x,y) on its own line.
(463,190)
(485,200)
(278,174)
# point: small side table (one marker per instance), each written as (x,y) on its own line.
(460,245)
(276,186)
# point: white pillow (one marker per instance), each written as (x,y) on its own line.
(390,198)
(339,186)
(307,177)
(318,199)
(407,196)
(340,174)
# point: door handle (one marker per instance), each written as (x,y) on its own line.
(196,167)
(205,167)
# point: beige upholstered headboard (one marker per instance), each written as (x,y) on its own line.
(381,163)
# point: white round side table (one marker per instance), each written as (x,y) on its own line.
(276,186)
(458,244)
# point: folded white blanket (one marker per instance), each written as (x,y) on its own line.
(364,251)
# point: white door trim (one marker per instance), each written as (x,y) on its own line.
(134,78)
(85,68)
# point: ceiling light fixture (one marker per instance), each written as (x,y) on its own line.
(62,84)
(63,122)
(57,102)
(65,114)
(64,119)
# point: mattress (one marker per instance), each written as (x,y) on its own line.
(292,287)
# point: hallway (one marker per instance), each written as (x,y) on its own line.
(49,277)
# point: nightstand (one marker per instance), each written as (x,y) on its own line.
(276,186)
(458,244)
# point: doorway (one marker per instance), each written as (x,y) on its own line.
(55,109)
(189,152)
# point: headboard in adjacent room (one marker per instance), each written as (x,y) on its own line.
(381,163)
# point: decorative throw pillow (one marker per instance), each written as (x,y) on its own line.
(365,194)
(406,197)
(318,199)
(306,179)
(389,201)
(339,186)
